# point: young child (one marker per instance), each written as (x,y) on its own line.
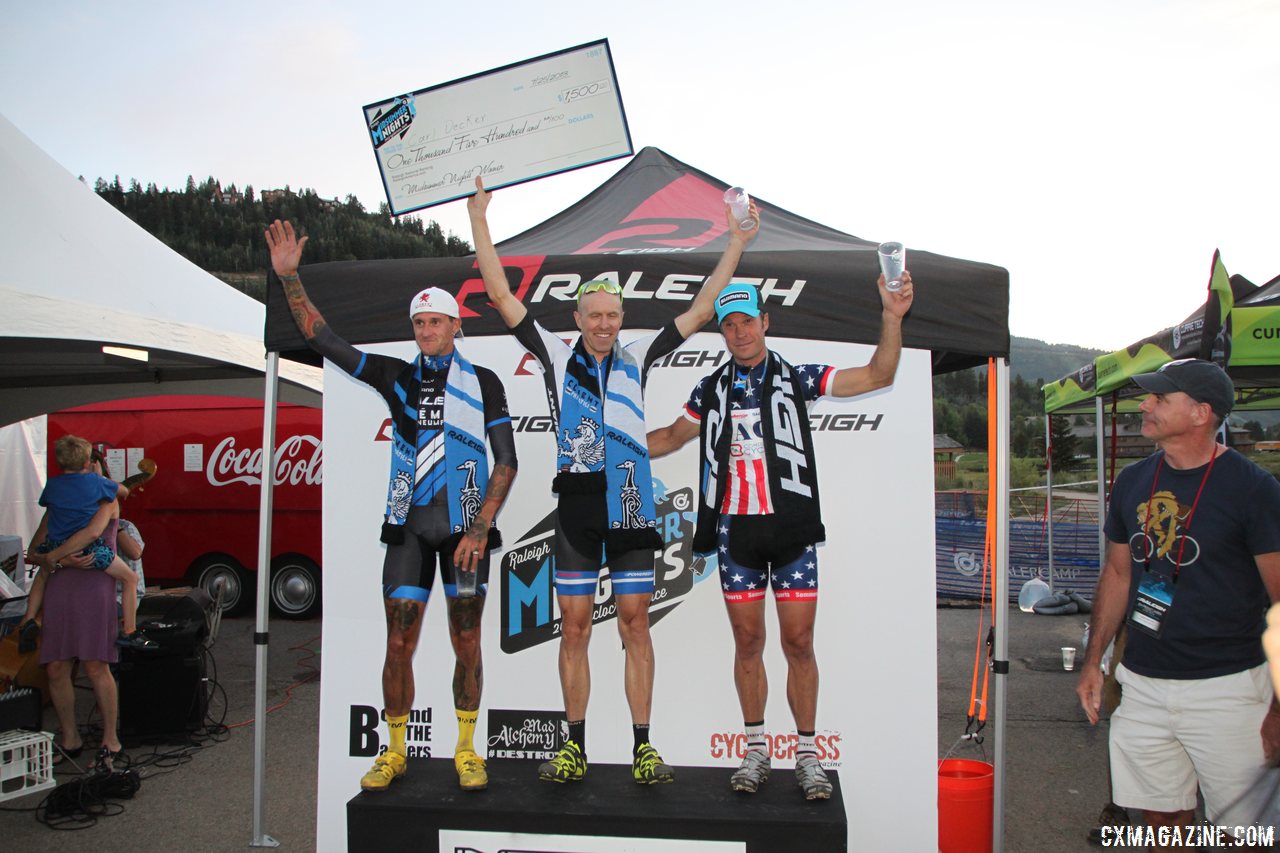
(71,500)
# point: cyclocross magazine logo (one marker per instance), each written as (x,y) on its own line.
(732,745)
(528,574)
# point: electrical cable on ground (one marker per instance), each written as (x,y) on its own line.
(79,802)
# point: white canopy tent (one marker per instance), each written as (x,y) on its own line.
(76,274)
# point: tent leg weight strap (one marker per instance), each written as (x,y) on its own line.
(1000,667)
(260,638)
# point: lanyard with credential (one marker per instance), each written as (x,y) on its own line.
(1186,526)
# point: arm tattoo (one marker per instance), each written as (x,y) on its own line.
(495,493)
(499,483)
(305,315)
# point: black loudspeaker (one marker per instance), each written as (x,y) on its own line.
(162,692)
(21,708)
(176,622)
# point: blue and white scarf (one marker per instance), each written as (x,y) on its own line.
(466,461)
(602,444)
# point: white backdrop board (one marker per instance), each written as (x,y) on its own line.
(876,628)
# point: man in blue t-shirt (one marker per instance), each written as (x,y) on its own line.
(758,505)
(1192,563)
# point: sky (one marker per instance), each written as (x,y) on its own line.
(1099,151)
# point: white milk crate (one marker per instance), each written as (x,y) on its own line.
(26,763)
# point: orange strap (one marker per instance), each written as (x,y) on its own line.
(978,704)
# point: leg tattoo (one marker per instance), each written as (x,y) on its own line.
(468,670)
(402,615)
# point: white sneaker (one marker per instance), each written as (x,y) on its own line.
(812,778)
(752,773)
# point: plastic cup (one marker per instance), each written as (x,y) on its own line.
(740,205)
(893,260)
(1068,658)
(465,582)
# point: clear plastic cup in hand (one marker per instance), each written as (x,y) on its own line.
(893,261)
(465,582)
(740,205)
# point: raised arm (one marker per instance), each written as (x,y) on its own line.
(495,278)
(671,437)
(883,366)
(286,252)
(703,307)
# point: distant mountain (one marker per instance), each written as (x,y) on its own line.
(1038,362)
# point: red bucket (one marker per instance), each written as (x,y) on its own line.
(966,790)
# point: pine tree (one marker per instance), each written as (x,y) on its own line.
(1063,444)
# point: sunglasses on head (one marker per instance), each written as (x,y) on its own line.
(602,285)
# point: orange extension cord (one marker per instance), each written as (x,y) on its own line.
(977,713)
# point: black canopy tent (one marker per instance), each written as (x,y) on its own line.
(658,227)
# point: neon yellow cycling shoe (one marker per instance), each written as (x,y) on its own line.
(386,767)
(471,773)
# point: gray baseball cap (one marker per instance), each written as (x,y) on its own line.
(1202,381)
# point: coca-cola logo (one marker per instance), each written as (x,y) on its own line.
(298,461)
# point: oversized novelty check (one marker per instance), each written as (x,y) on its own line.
(524,121)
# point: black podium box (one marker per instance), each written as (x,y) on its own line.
(698,806)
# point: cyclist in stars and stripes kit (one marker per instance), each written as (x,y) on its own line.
(758,505)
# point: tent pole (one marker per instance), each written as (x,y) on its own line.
(1102,483)
(1000,603)
(260,839)
(1048,493)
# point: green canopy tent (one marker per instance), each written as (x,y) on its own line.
(1238,326)
(1201,335)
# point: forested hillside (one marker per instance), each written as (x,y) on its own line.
(220,229)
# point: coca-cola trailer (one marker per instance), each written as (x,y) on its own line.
(199,515)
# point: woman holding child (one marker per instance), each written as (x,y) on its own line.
(80,621)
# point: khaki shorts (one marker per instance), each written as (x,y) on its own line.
(1168,735)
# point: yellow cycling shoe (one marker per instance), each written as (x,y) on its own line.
(471,773)
(386,767)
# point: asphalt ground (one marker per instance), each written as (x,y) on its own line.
(199,796)
(1055,761)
